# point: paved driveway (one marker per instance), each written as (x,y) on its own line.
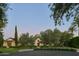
(44,53)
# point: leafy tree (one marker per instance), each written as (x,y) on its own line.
(44,38)
(26,39)
(36,36)
(59,11)
(51,37)
(65,38)
(50,33)
(3,20)
(31,40)
(74,42)
(57,35)
(72,29)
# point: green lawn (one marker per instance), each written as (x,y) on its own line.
(8,50)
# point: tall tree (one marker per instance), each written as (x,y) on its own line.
(16,36)
(71,29)
(49,34)
(1,39)
(57,35)
(76,23)
(44,38)
(59,11)
(51,37)
(65,37)
(3,20)
(26,40)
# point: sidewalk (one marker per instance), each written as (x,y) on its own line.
(4,54)
(25,50)
(77,50)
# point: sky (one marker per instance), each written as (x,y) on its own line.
(32,18)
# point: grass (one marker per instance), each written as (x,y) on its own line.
(15,49)
(8,50)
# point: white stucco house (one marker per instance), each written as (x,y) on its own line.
(9,43)
(38,42)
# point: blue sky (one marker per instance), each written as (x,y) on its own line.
(31,18)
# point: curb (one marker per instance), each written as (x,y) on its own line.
(26,50)
(77,50)
(4,53)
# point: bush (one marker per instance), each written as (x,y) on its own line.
(74,42)
(57,49)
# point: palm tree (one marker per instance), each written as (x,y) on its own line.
(72,29)
(75,24)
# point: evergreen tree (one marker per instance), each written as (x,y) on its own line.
(16,36)
(1,39)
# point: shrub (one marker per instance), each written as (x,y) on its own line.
(74,42)
(57,49)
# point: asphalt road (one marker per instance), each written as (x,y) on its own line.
(43,53)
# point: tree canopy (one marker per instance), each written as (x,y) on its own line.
(3,19)
(61,10)
(55,37)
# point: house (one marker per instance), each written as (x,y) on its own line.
(38,42)
(9,43)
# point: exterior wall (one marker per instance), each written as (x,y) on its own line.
(36,42)
(13,43)
(5,43)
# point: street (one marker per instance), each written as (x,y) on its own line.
(43,53)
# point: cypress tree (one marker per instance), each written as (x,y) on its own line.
(16,36)
(1,39)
